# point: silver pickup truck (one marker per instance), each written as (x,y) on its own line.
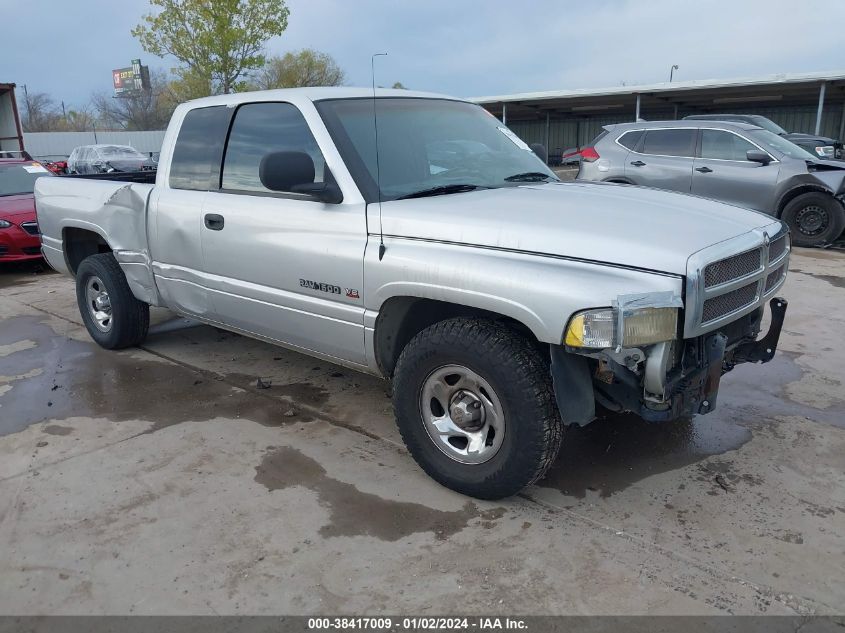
(414,237)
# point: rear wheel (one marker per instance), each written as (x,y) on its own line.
(814,219)
(475,407)
(112,315)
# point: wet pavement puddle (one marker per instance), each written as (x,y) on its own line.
(357,513)
(72,378)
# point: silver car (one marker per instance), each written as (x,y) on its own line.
(737,163)
(105,159)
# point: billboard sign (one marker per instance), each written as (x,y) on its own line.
(130,81)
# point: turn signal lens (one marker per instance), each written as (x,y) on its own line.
(594,329)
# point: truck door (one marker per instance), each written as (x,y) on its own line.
(175,210)
(283,265)
(722,172)
(664,159)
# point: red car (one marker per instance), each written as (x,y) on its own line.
(19,236)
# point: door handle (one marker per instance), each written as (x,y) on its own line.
(703,170)
(638,163)
(214,221)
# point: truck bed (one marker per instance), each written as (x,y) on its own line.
(112,211)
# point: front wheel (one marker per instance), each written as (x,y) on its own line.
(475,406)
(814,219)
(112,315)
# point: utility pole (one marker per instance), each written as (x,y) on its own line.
(26,107)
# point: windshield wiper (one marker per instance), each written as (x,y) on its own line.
(441,190)
(528,176)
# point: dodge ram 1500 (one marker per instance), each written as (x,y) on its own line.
(415,237)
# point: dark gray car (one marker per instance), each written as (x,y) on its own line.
(736,163)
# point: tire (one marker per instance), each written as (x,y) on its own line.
(124,320)
(513,384)
(814,219)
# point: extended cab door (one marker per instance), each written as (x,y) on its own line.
(663,159)
(722,171)
(283,265)
(176,209)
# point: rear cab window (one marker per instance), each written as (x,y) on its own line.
(678,142)
(195,164)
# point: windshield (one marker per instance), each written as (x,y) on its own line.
(20,177)
(780,145)
(428,146)
(115,151)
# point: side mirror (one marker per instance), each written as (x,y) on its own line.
(758,156)
(294,172)
(327,192)
(540,150)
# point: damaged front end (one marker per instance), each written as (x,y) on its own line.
(663,358)
(665,381)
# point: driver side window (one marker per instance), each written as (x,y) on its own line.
(260,129)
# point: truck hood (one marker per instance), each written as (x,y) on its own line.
(798,136)
(628,226)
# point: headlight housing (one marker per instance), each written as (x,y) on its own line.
(600,329)
(5,224)
(825,151)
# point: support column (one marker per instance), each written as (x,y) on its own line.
(676,111)
(821,107)
(548,123)
(505,113)
(637,113)
(842,123)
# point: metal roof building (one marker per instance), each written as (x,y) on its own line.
(810,102)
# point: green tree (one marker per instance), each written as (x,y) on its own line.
(399,85)
(218,39)
(188,84)
(300,68)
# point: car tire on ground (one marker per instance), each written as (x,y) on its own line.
(814,219)
(475,406)
(112,315)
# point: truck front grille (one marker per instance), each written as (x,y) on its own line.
(720,305)
(774,277)
(777,248)
(722,286)
(732,268)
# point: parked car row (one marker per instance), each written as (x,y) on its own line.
(738,163)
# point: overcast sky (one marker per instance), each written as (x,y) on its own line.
(462,47)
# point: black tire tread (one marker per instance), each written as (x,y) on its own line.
(132,317)
(496,343)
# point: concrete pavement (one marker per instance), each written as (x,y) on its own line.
(162,480)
